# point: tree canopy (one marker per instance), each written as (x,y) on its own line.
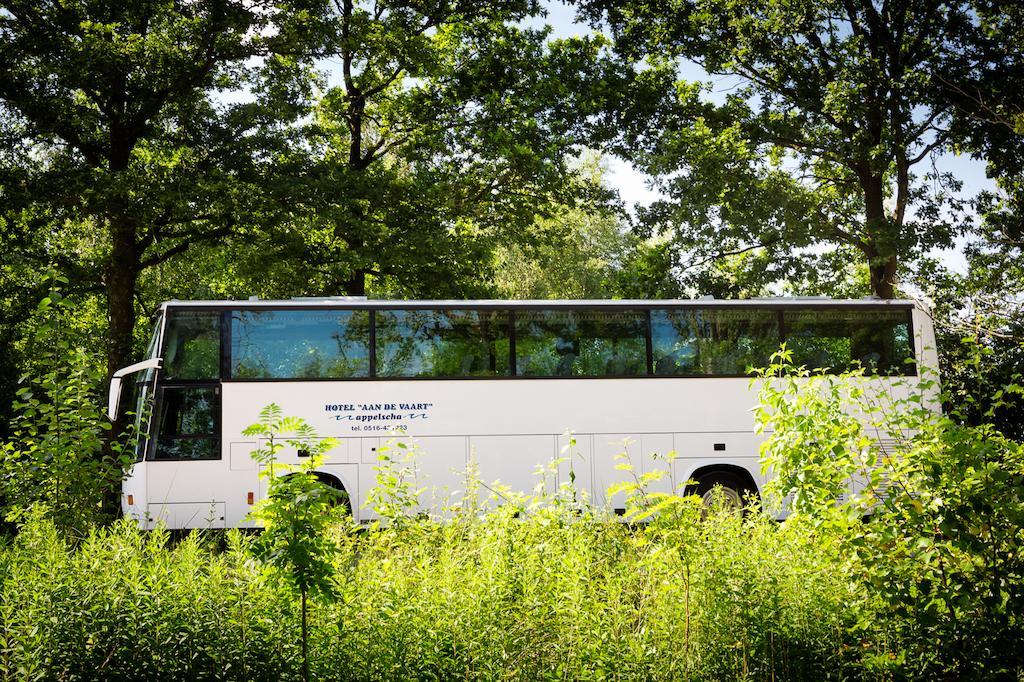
(826,140)
(432,149)
(450,128)
(125,151)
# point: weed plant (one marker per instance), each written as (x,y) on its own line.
(915,573)
(549,594)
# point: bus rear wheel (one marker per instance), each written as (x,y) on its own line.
(732,489)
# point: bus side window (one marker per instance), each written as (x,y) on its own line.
(192,345)
(674,342)
(300,344)
(592,343)
(442,343)
(837,340)
(712,342)
(188,426)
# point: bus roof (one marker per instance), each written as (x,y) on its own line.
(362,302)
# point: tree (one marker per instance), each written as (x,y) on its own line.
(299,514)
(583,258)
(577,252)
(838,104)
(120,152)
(988,118)
(988,123)
(451,127)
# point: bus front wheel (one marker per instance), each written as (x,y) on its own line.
(341,495)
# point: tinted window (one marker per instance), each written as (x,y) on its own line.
(442,343)
(192,345)
(837,340)
(581,343)
(300,344)
(188,425)
(712,341)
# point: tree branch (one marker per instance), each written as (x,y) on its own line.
(725,254)
(186,243)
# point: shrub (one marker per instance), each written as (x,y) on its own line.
(299,515)
(128,605)
(546,595)
(933,532)
(55,458)
(921,582)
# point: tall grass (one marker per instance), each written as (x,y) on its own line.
(923,583)
(557,594)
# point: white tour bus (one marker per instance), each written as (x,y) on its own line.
(501,381)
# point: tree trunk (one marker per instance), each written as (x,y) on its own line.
(122,278)
(877,247)
(883,275)
(356,284)
(122,274)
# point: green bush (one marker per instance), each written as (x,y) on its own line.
(127,605)
(299,516)
(56,457)
(923,581)
(931,532)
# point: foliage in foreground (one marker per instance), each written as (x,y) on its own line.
(299,514)
(915,571)
(55,456)
(552,595)
(928,514)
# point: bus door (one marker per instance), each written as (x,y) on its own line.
(186,476)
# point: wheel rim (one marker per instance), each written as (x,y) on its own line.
(730,497)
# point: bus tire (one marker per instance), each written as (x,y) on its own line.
(336,485)
(736,487)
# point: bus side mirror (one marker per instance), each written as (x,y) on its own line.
(114,395)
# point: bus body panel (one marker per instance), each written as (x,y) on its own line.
(670,425)
(133,493)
